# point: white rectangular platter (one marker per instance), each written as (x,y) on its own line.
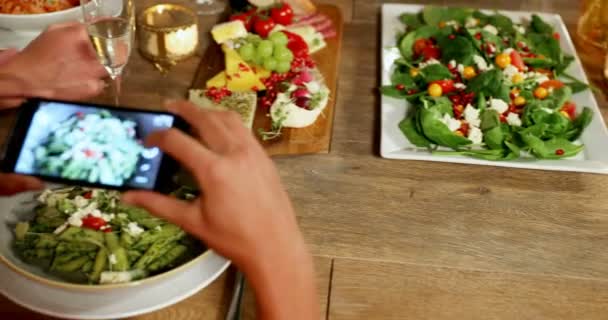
(394,145)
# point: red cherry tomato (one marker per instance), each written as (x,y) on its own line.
(421,44)
(570,109)
(296,44)
(263,26)
(555,84)
(517,61)
(283,14)
(242,17)
(447,85)
(431,52)
(94,223)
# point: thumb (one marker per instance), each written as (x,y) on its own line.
(176,211)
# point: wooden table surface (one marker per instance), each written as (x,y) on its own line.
(420,240)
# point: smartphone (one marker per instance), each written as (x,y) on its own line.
(90,145)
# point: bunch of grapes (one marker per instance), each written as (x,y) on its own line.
(272,54)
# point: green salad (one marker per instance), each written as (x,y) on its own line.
(486,86)
(89,236)
(96,147)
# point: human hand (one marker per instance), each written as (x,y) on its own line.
(61,61)
(13,183)
(244,213)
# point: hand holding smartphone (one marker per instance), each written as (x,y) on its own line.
(90,145)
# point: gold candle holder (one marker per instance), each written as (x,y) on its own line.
(168,34)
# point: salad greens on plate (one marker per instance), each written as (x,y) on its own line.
(483,86)
(88,236)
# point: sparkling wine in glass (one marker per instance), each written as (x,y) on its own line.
(209,7)
(111,28)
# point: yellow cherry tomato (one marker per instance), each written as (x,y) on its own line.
(519,101)
(442,24)
(517,78)
(459,133)
(435,90)
(414,72)
(565,114)
(503,60)
(541,93)
(469,73)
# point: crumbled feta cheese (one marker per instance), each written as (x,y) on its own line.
(471,22)
(475,135)
(508,50)
(134,229)
(491,29)
(538,77)
(112,259)
(61,228)
(520,29)
(499,105)
(513,119)
(80,202)
(44,196)
(425,64)
(107,217)
(453,23)
(158,228)
(313,86)
(471,115)
(104,227)
(547,110)
(460,69)
(123,215)
(96,213)
(481,63)
(450,122)
(509,72)
(76,218)
(460,86)
(452,64)
(115,277)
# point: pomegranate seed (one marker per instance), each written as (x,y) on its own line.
(478,36)
(452,37)
(560,152)
(400,87)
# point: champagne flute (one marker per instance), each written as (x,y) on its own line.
(111,28)
(209,7)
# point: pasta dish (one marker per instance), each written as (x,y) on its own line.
(35,6)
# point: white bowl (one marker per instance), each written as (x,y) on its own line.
(38,22)
(32,288)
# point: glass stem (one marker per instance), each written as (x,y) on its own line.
(116,82)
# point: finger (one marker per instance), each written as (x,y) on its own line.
(7,55)
(14,183)
(79,90)
(183,148)
(176,211)
(14,87)
(63,25)
(210,126)
(11,103)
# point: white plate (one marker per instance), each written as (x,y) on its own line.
(101,303)
(394,145)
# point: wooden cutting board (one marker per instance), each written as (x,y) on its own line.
(313,139)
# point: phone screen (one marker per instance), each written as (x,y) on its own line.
(92,144)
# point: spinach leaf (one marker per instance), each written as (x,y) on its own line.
(503,23)
(580,124)
(482,17)
(539,26)
(565,63)
(392,91)
(412,20)
(409,128)
(437,131)
(460,49)
(490,83)
(540,63)
(402,76)
(434,15)
(490,155)
(546,45)
(555,148)
(559,97)
(435,72)
(406,45)
(493,134)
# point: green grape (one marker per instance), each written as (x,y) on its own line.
(254,38)
(279,39)
(283,54)
(270,64)
(265,48)
(247,52)
(283,66)
(258,59)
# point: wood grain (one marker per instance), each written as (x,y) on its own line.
(379,290)
(312,139)
(323,269)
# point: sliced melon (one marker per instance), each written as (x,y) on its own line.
(219,81)
(239,75)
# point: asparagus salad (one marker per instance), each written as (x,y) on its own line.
(486,86)
(88,236)
(96,147)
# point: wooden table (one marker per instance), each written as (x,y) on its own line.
(421,240)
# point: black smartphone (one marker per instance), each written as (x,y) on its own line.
(90,145)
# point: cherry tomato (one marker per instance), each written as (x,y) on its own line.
(283,14)
(94,223)
(243,17)
(263,26)
(570,109)
(447,85)
(421,44)
(555,84)
(431,52)
(517,61)
(296,44)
